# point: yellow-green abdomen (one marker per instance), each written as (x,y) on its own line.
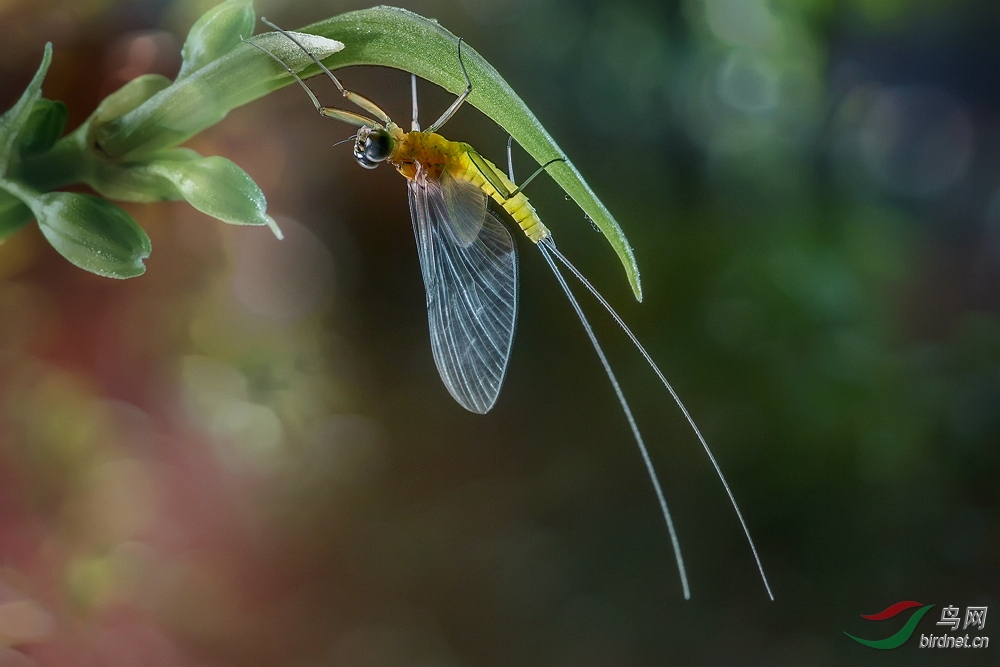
(517,206)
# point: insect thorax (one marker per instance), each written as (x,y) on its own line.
(427,150)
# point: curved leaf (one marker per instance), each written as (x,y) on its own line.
(384,36)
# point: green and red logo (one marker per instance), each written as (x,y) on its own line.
(899,638)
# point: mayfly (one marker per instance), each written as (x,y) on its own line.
(469,263)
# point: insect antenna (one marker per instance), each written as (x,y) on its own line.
(548,246)
(353,137)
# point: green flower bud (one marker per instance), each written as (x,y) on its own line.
(43,128)
(136,181)
(127,98)
(90,232)
(213,185)
(205,97)
(217,187)
(216,33)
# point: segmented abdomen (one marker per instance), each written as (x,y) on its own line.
(517,206)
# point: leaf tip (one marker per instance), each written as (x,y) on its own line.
(273,226)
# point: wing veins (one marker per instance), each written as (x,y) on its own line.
(471,289)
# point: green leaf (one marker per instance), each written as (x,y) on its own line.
(13,214)
(216,33)
(383,36)
(89,231)
(43,128)
(14,120)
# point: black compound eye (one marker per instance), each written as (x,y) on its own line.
(378,146)
(372,148)
(364,161)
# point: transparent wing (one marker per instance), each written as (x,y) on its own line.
(466,207)
(471,294)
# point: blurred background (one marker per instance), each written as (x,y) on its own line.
(246,456)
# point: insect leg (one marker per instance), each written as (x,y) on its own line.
(329,112)
(546,246)
(510,159)
(450,111)
(414,124)
(522,186)
(510,169)
(356,98)
(489,172)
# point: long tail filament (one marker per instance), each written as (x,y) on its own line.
(549,250)
(546,246)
